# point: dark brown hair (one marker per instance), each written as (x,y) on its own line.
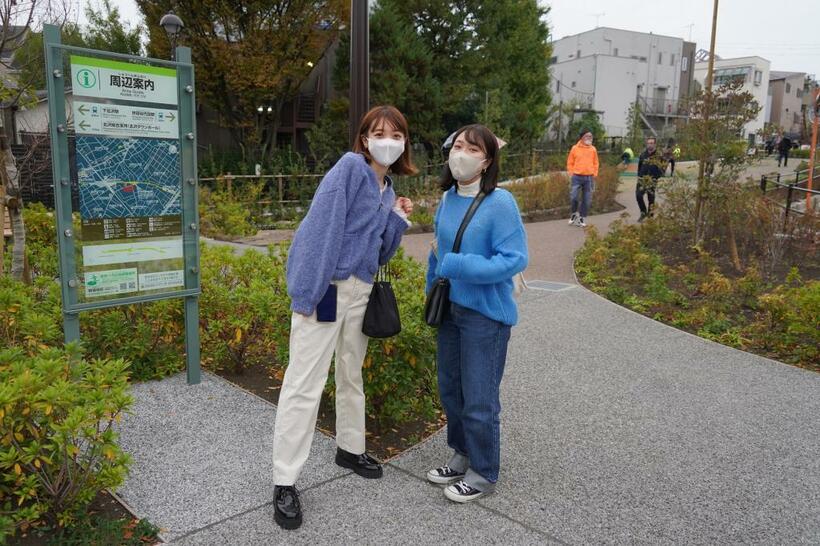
(477,135)
(391,116)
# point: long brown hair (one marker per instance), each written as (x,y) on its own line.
(389,115)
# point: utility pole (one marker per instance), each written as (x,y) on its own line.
(708,102)
(812,152)
(359,65)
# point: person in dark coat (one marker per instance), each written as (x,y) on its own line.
(651,166)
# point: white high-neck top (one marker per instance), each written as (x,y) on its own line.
(469,190)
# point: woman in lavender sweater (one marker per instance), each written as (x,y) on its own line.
(355,223)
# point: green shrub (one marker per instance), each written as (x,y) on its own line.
(739,311)
(29,314)
(223,215)
(244,308)
(150,335)
(41,241)
(58,449)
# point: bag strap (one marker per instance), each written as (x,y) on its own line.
(467,217)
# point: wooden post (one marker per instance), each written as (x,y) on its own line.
(812,153)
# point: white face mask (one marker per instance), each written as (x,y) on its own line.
(464,166)
(385,151)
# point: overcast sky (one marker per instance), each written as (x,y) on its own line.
(786,32)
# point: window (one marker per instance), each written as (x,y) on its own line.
(615,52)
(573,85)
(672,62)
(684,64)
(660,57)
(558,86)
(727,75)
(788,88)
(553,60)
(758,77)
(799,92)
(796,118)
(578,54)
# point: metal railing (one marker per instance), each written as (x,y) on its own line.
(664,107)
(792,183)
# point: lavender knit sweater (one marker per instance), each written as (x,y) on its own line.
(349,230)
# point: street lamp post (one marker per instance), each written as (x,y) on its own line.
(172,25)
(359,64)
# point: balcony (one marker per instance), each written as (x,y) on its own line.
(664,107)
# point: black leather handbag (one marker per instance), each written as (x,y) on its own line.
(438,299)
(381,318)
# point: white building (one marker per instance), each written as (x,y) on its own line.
(754,73)
(608,69)
(785,102)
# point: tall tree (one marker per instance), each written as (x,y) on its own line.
(713,135)
(107,31)
(16,22)
(511,53)
(250,53)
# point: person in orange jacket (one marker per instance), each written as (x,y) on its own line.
(582,165)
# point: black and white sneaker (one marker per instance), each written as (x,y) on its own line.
(573,218)
(444,475)
(461,492)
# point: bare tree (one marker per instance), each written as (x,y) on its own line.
(18,18)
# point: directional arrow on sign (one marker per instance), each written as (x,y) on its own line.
(84,125)
(82,109)
(171,116)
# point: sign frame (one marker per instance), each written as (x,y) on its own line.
(55,53)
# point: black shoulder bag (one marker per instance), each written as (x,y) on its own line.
(438,299)
(381,318)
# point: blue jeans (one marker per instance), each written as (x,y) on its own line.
(585,184)
(472,351)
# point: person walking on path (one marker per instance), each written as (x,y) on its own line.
(582,166)
(783,149)
(671,154)
(651,166)
(355,223)
(473,337)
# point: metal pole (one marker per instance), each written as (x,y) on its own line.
(359,64)
(812,154)
(560,128)
(190,217)
(55,82)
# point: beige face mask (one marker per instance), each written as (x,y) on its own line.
(463,165)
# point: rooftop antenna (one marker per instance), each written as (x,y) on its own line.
(597,17)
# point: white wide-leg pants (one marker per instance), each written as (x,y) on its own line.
(312,344)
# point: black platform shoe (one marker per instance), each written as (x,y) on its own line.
(286,508)
(364,465)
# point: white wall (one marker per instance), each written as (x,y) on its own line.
(612,64)
(759,91)
(645,48)
(35,118)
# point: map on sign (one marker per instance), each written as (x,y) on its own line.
(127,177)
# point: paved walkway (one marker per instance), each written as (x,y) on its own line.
(615,429)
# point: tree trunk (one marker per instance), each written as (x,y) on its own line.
(14,203)
(733,245)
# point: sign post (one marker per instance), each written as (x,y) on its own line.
(135,236)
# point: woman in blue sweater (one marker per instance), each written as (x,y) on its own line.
(472,339)
(354,224)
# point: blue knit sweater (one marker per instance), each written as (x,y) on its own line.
(349,230)
(493,250)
